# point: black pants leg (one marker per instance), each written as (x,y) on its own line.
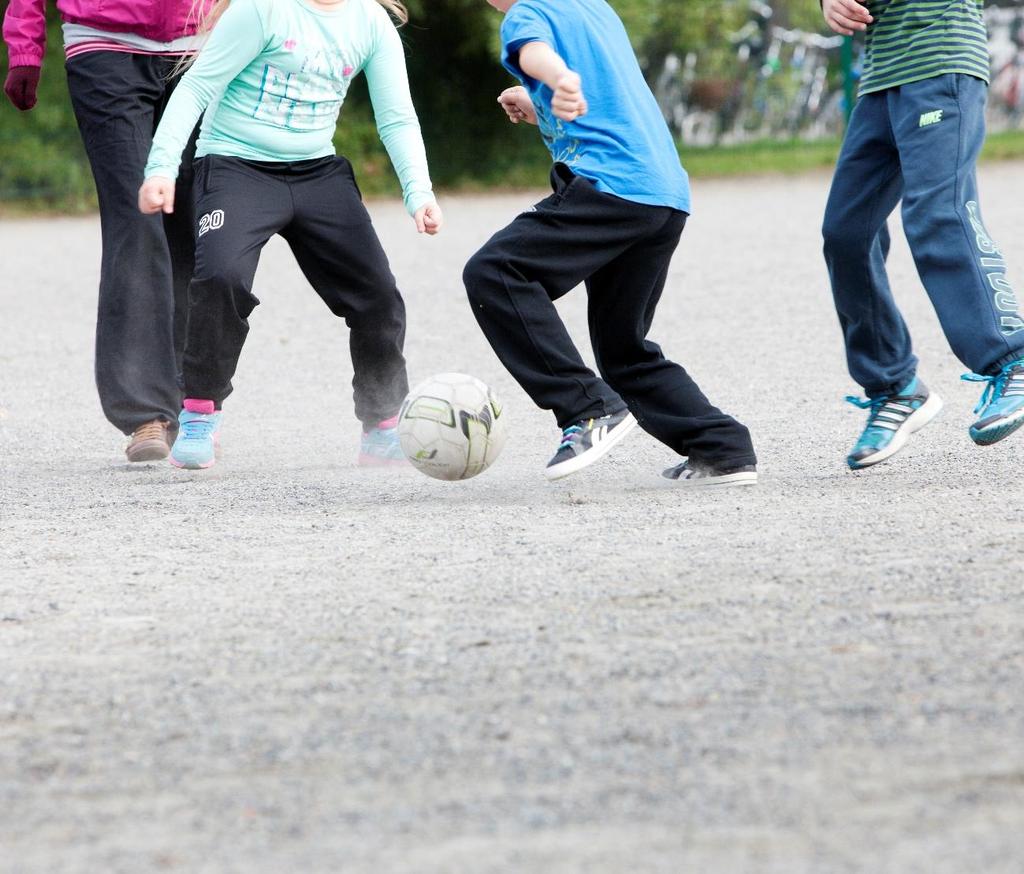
(147,260)
(338,250)
(666,401)
(239,208)
(622,251)
(513,281)
(180,231)
(316,206)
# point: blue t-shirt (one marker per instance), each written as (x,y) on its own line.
(622,144)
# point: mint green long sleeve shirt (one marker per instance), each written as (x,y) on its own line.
(272,78)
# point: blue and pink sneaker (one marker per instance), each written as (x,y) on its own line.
(380,447)
(198,434)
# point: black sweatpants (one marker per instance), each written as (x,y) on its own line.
(316,206)
(621,250)
(146,266)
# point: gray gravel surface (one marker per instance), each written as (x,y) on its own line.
(291,664)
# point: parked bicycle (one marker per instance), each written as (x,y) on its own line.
(781,87)
(1006,49)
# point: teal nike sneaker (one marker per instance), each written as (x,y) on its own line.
(380,447)
(891,421)
(198,434)
(1001,405)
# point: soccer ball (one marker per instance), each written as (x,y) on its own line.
(452,426)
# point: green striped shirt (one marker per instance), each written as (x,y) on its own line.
(910,40)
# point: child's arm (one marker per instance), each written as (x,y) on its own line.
(399,128)
(235,40)
(25,34)
(846,16)
(541,62)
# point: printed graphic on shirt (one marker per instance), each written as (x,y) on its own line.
(310,96)
(564,148)
(994,268)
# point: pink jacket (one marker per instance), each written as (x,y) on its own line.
(161,20)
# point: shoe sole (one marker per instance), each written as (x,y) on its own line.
(995,433)
(374,461)
(915,422)
(192,465)
(574,465)
(148,450)
(186,465)
(725,480)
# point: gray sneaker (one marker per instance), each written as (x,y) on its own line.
(586,441)
(692,475)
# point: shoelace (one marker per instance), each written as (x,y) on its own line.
(197,429)
(381,437)
(571,435)
(1009,381)
(892,409)
(150,431)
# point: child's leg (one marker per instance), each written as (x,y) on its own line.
(180,225)
(180,228)
(115,98)
(865,189)
(514,279)
(940,127)
(339,252)
(238,207)
(667,403)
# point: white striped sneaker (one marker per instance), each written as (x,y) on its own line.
(891,421)
(586,441)
(1002,404)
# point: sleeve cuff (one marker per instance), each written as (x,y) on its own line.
(25,59)
(166,171)
(512,53)
(415,200)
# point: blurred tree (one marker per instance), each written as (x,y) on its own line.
(455,74)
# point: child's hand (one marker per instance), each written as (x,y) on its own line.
(517,105)
(156,194)
(846,16)
(568,102)
(428,219)
(21,85)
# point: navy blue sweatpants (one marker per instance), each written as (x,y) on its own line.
(918,142)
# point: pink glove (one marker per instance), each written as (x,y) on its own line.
(20,86)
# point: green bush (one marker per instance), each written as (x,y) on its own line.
(41,156)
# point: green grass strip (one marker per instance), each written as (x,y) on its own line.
(529,171)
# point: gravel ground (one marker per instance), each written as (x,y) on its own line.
(291,664)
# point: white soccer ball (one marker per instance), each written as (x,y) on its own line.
(452,426)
